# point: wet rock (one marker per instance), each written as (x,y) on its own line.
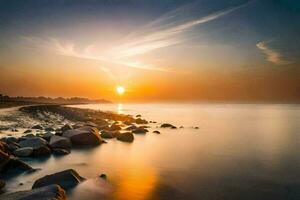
(11,139)
(34,142)
(130,128)
(13,146)
(126,137)
(141,121)
(23,152)
(51,192)
(16,164)
(115,127)
(66,179)
(60,152)
(27,131)
(167,125)
(60,142)
(84,136)
(47,136)
(2,184)
(41,151)
(157,132)
(49,129)
(140,131)
(66,127)
(38,126)
(109,134)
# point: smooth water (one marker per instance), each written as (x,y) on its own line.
(240,151)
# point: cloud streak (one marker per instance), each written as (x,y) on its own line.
(272,55)
(163,32)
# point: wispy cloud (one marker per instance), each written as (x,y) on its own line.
(272,55)
(165,31)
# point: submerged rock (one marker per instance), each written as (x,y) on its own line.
(51,192)
(60,152)
(130,128)
(141,121)
(167,125)
(157,132)
(140,131)
(23,152)
(126,137)
(60,142)
(84,136)
(66,179)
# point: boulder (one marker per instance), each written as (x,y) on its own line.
(39,127)
(60,152)
(51,192)
(23,152)
(126,137)
(167,125)
(60,142)
(140,131)
(41,151)
(141,121)
(34,142)
(66,179)
(84,136)
(66,127)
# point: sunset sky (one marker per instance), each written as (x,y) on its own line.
(159,50)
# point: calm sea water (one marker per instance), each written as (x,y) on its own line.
(240,151)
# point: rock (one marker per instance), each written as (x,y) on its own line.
(130,128)
(84,136)
(39,127)
(34,142)
(60,142)
(59,133)
(196,127)
(41,151)
(66,179)
(49,129)
(4,159)
(114,127)
(140,131)
(16,164)
(141,121)
(23,152)
(157,132)
(30,135)
(126,137)
(28,131)
(2,184)
(13,146)
(11,139)
(181,127)
(166,125)
(138,116)
(47,136)
(4,147)
(60,152)
(66,127)
(109,134)
(51,192)
(103,176)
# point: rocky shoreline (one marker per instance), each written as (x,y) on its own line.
(61,129)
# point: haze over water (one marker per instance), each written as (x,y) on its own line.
(240,151)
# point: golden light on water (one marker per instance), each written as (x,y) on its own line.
(120,90)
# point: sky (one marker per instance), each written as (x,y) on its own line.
(158,50)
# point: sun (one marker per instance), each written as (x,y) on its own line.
(120,90)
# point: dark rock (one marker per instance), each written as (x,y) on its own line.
(60,142)
(115,127)
(11,139)
(30,135)
(140,131)
(2,184)
(84,136)
(60,152)
(126,137)
(66,127)
(181,127)
(41,151)
(166,125)
(4,160)
(16,164)
(28,131)
(23,152)
(49,129)
(39,127)
(141,121)
(66,179)
(130,128)
(196,127)
(109,134)
(47,136)
(4,147)
(51,192)
(59,133)
(34,142)
(157,132)
(13,146)
(138,116)
(103,176)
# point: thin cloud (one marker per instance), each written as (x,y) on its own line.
(163,32)
(272,55)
